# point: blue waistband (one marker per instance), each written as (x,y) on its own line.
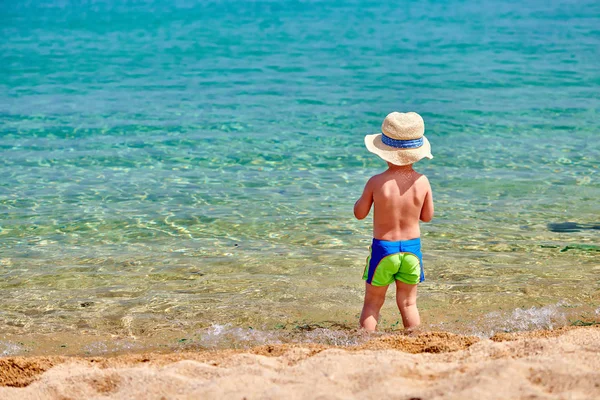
(399,245)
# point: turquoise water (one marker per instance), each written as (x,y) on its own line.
(172,167)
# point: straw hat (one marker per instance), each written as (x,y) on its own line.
(402,141)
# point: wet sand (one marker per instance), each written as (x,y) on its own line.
(559,364)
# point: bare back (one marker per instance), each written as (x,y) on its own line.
(401,197)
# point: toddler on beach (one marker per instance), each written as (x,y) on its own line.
(401,197)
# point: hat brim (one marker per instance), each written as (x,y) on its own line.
(395,155)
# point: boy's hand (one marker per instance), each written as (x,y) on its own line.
(363,204)
(427,210)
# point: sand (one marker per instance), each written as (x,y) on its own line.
(560,364)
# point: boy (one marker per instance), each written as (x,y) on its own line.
(401,197)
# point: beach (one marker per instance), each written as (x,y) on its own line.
(559,364)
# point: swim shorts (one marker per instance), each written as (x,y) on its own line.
(394,261)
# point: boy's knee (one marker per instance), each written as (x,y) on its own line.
(374,307)
(407,302)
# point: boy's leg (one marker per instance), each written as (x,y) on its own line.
(374,299)
(406,298)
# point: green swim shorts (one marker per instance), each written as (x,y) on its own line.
(394,261)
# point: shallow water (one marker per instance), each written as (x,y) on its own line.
(168,168)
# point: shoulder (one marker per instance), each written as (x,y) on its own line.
(376,180)
(369,186)
(422,180)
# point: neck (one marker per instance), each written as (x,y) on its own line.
(394,168)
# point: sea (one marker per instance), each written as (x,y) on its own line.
(179,174)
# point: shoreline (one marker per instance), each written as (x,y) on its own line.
(566,360)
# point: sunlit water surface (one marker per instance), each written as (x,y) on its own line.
(176,173)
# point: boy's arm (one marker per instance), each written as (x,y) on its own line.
(363,204)
(427,209)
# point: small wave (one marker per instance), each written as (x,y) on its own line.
(522,319)
(9,349)
(112,346)
(219,336)
(227,336)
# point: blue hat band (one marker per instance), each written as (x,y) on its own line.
(402,144)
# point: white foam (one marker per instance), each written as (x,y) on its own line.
(227,336)
(223,336)
(523,319)
(546,317)
(106,347)
(9,349)
(333,337)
